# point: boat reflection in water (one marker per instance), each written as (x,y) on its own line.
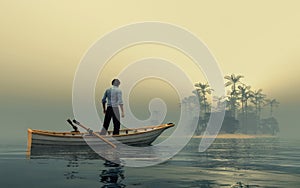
(111,174)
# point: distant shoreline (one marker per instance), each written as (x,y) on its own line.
(238,136)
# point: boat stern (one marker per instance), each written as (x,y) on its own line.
(29,142)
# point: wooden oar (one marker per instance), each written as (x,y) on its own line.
(93,133)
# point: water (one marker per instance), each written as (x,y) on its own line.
(261,162)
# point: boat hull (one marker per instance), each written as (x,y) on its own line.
(38,139)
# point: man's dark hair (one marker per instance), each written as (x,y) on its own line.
(115,82)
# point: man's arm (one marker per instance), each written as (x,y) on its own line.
(104,102)
(120,102)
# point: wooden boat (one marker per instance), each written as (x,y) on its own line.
(133,137)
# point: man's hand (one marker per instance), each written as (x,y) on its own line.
(122,110)
(104,107)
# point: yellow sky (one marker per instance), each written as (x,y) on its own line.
(42,42)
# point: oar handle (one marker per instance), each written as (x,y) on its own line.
(73,126)
(95,134)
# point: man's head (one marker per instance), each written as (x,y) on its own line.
(115,82)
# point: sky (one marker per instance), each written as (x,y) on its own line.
(43,42)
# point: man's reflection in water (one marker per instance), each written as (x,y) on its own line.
(113,176)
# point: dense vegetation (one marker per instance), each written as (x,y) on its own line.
(243,107)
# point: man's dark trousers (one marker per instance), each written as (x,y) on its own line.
(111,112)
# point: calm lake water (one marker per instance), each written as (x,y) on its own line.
(261,162)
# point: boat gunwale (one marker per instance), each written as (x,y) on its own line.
(154,128)
(81,135)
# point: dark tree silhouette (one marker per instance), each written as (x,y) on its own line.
(244,95)
(258,100)
(272,103)
(238,109)
(233,81)
(203,89)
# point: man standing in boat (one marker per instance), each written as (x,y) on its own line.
(113,96)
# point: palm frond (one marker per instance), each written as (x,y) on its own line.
(227,77)
(228,84)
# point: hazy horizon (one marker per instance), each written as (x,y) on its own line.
(42,43)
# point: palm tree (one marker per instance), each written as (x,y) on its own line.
(258,100)
(272,103)
(197,94)
(231,104)
(233,81)
(244,95)
(203,89)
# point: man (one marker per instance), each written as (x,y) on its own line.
(114,97)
